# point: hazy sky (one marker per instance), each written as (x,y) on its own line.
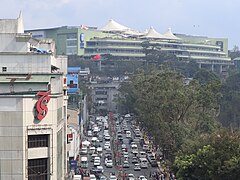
(212,18)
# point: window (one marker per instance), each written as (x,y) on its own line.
(72,36)
(4,69)
(35,141)
(38,169)
(101,92)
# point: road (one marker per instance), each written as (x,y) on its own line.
(117,153)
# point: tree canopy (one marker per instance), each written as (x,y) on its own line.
(211,157)
(164,102)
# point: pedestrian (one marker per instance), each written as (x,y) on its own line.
(150,174)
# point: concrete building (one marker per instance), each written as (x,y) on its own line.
(102,95)
(123,43)
(33,106)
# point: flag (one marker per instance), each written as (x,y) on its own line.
(96,57)
(84,27)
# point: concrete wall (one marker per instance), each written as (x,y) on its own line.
(9,44)
(26,63)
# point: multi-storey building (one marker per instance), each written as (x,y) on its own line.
(33,106)
(102,95)
(123,43)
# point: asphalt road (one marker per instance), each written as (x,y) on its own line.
(117,150)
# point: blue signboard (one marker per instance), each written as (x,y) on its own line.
(82,40)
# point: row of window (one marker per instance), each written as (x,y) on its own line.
(113,51)
(101,92)
(35,141)
(38,169)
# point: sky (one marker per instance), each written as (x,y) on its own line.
(212,18)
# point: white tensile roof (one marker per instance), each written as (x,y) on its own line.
(132,32)
(153,34)
(170,35)
(112,26)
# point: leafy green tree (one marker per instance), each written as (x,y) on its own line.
(230,102)
(210,157)
(170,110)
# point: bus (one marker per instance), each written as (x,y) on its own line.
(143,163)
(84,162)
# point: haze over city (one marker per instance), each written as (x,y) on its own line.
(206,18)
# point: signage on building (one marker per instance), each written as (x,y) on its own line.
(69,138)
(41,105)
(82,40)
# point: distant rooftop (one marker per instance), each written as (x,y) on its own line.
(12,25)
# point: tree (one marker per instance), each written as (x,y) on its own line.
(164,103)
(210,157)
(230,102)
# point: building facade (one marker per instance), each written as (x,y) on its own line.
(123,43)
(33,106)
(103,95)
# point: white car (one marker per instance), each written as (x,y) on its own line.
(107,146)
(131,177)
(125,154)
(96,162)
(100,168)
(142,178)
(137,167)
(113,177)
(93,177)
(84,150)
(107,137)
(109,163)
(124,146)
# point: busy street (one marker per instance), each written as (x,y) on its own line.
(114,147)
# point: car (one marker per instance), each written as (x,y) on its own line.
(93,157)
(100,137)
(131,177)
(112,177)
(107,145)
(154,163)
(96,162)
(125,164)
(107,137)
(137,167)
(142,154)
(100,169)
(103,178)
(134,160)
(89,133)
(84,151)
(145,147)
(93,177)
(125,154)
(109,163)
(92,150)
(142,177)
(124,146)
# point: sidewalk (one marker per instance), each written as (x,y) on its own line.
(146,141)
